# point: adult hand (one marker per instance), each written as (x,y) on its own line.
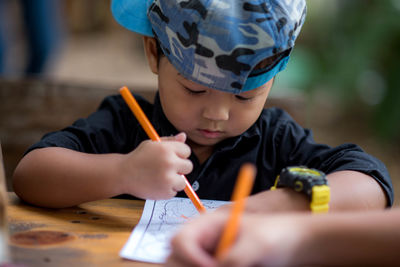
(261,240)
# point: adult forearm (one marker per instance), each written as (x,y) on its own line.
(59,177)
(352,239)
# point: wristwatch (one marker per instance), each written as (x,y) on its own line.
(312,182)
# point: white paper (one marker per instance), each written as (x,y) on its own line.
(149,240)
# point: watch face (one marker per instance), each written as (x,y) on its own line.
(306,172)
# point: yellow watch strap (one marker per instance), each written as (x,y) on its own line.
(275,184)
(320,197)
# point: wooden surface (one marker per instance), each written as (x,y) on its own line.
(91,234)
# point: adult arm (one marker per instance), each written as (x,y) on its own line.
(339,239)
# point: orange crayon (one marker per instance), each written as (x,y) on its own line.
(242,189)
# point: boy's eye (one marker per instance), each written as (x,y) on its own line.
(242,98)
(193,92)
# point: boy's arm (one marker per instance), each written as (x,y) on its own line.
(59,177)
(350,190)
(357,179)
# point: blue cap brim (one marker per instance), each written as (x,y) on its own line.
(132,14)
(259,80)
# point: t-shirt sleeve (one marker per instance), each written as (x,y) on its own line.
(296,146)
(110,129)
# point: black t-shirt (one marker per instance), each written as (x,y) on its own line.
(274,141)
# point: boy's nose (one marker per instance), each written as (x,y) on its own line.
(216,112)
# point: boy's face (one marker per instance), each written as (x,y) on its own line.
(206,115)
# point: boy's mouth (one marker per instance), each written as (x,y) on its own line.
(210,133)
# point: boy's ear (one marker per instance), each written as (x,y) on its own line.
(150,49)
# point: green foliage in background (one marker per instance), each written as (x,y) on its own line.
(351,49)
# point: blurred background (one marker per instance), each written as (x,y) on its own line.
(59,58)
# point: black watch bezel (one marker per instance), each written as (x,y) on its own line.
(301,178)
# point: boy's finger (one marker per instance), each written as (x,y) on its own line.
(179,184)
(180,137)
(182,150)
(184,166)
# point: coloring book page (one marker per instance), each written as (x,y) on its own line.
(149,240)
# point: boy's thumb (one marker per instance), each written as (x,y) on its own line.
(180,137)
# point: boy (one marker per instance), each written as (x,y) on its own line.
(215,62)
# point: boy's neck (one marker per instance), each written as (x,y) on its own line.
(202,152)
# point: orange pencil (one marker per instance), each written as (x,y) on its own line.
(242,189)
(151,132)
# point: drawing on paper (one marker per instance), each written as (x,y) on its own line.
(149,240)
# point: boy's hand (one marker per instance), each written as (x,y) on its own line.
(153,170)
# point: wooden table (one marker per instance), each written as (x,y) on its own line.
(91,234)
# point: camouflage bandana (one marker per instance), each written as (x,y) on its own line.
(217,43)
